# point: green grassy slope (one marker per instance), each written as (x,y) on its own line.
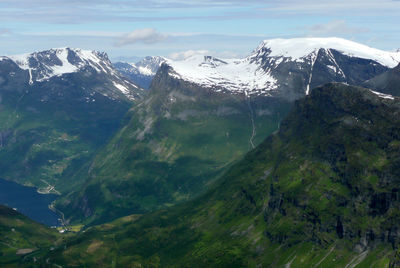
(22,240)
(322,192)
(175,143)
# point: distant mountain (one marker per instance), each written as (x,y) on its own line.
(287,68)
(44,65)
(126,59)
(278,67)
(323,191)
(387,82)
(57,107)
(142,72)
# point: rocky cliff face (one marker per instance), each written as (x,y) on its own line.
(346,180)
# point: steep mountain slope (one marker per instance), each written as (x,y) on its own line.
(142,72)
(176,142)
(321,192)
(57,107)
(287,68)
(22,240)
(204,113)
(387,82)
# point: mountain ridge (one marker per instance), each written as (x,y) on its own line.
(387,82)
(287,68)
(47,64)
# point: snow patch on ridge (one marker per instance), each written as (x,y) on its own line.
(384,96)
(235,75)
(314,56)
(147,66)
(146,71)
(122,88)
(65,67)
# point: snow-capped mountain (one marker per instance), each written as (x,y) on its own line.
(141,72)
(286,67)
(54,63)
(58,107)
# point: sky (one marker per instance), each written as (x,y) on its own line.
(179,28)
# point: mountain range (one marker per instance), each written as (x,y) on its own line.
(276,159)
(203,114)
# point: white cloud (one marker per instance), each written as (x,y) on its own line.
(4,32)
(337,27)
(327,7)
(146,35)
(75,33)
(182,55)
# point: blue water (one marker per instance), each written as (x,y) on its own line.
(28,202)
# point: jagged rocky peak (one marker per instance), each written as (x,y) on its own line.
(149,65)
(141,72)
(55,62)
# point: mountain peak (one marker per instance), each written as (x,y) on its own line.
(299,48)
(46,64)
(149,65)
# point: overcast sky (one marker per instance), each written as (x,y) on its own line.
(176,28)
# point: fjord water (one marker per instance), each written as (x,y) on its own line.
(28,202)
